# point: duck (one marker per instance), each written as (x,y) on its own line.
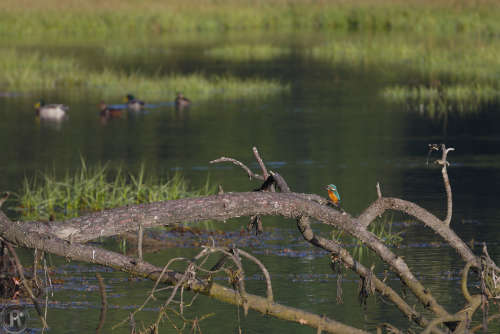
(110,112)
(51,111)
(181,101)
(133,104)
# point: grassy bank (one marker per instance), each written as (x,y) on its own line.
(47,196)
(22,71)
(453,41)
(94,18)
(456,72)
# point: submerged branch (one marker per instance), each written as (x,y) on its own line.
(387,203)
(22,236)
(223,207)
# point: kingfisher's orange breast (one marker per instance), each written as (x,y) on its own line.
(333,197)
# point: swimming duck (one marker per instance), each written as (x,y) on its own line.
(51,111)
(110,112)
(181,102)
(133,104)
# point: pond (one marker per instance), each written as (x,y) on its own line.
(333,126)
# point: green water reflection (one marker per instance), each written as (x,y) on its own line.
(333,127)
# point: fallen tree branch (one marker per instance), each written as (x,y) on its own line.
(255,204)
(387,203)
(86,253)
(222,207)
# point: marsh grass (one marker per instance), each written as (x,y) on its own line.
(91,18)
(197,86)
(382,228)
(467,69)
(47,196)
(455,41)
(22,71)
(244,52)
(462,98)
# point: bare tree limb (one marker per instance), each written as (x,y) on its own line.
(91,254)
(387,203)
(264,270)
(265,174)
(443,162)
(242,165)
(221,207)
(465,290)
(140,235)
(289,205)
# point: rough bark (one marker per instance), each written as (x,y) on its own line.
(67,238)
(230,205)
(22,235)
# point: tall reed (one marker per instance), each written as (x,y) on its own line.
(47,196)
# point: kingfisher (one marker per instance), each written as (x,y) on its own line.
(333,194)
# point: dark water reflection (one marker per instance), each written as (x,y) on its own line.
(333,128)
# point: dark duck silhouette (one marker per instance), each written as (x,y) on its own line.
(133,103)
(110,112)
(181,101)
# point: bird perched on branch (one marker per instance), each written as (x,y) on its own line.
(51,111)
(333,194)
(133,103)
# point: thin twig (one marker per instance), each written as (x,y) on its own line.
(25,283)
(139,241)
(48,280)
(270,297)
(48,284)
(104,303)
(379,192)
(261,162)
(465,290)
(151,294)
(242,165)
(490,318)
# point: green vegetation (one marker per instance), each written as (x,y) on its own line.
(453,41)
(465,69)
(461,98)
(91,18)
(382,228)
(247,52)
(94,189)
(23,71)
